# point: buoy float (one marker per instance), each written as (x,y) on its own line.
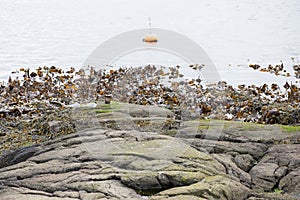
(150,38)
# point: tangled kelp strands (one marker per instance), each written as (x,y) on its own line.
(45,103)
(168,87)
(149,85)
(32,106)
(44,121)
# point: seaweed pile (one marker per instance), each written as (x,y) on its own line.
(32,106)
(37,104)
(146,85)
(167,87)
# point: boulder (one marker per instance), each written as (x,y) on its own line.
(279,166)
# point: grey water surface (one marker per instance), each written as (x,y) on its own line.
(233,33)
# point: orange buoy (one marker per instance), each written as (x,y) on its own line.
(150,38)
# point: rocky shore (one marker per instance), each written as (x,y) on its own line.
(35,102)
(206,159)
(146,133)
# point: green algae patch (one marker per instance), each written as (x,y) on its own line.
(278,191)
(112,106)
(290,129)
(246,126)
(103,111)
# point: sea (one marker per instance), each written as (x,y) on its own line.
(233,33)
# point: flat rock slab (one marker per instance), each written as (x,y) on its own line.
(109,164)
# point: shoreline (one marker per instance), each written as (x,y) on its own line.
(40,105)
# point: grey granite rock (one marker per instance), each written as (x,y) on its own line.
(99,163)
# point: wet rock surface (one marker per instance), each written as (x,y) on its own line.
(196,160)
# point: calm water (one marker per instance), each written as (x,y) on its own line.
(63,33)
